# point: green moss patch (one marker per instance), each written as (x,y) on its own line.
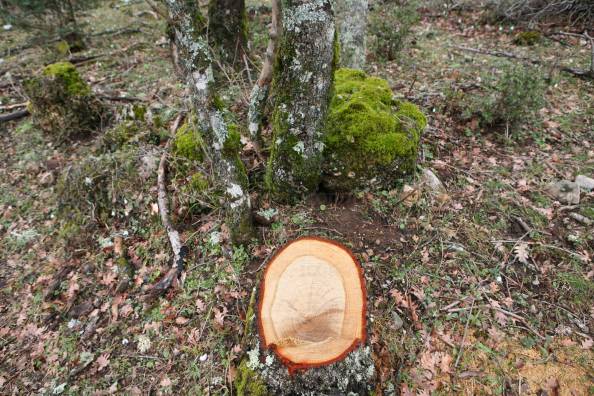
(188,142)
(528,38)
(369,135)
(248,383)
(68,76)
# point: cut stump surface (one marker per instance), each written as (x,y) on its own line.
(312,303)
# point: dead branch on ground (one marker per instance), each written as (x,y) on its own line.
(14,115)
(583,74)
(179,249)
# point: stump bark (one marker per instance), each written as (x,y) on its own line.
(312,322)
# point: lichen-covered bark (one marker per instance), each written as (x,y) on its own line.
(302,80)
(195,62)
(259,94)
(227,27)
(354,375)
(351,21)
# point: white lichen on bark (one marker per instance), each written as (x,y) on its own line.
(351,21)
(354,375)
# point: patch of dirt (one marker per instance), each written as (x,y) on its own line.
(355,222)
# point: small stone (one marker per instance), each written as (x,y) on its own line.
(565,191)
(398,322)
(432,182)
(46,178)
(584,182)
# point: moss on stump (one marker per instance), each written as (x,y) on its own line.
(62,103)
(370,137)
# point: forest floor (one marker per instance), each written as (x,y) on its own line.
(485,288)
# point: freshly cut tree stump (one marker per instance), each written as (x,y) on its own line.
(312,316)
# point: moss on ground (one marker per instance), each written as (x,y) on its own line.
(528,38)
(369,135)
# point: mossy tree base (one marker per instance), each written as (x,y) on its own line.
(370,137)
(62,103)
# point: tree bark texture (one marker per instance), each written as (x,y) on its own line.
(354,375)
(259,94)
(227,27)
(189,31)
(351,21)
(301,84)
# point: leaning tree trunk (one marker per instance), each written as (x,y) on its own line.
(227,28)
(351,20)
(302,79)
(220,145)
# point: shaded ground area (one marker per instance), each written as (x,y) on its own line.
(485,288)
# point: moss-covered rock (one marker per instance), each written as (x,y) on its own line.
(248,382)
(370,137)
(62,103)
(528,38)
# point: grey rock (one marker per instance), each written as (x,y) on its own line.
(565,191)
(586,183)
(432,181)
(398,322)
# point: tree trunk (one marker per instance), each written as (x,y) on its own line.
(227,28)
(351,20)
(221,145)
(259,94)
(302,79)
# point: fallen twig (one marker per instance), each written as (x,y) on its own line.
(57,280)
(413,313)
(584,74)
(115,32)
(122,98)
(14,106)
(14,115)
(179,250)
(580,218)
(523,224)
(460,352)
